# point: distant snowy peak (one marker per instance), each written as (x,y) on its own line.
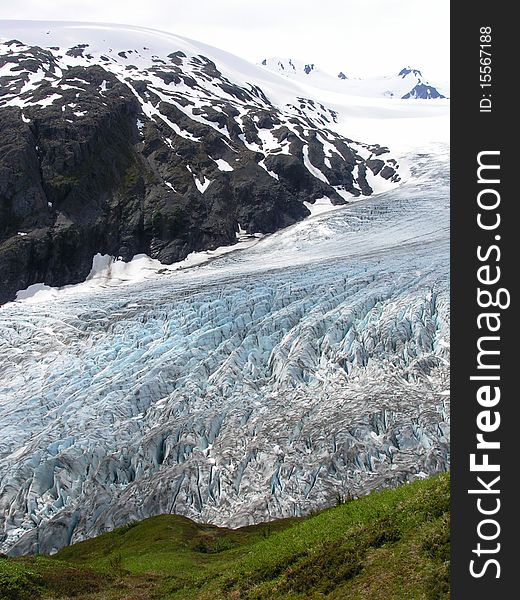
(408,70)
(422,89)
(125,141)
(288,66)
(408,83)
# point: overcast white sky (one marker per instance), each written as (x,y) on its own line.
(359,37)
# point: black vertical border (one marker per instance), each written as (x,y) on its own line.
(471,133)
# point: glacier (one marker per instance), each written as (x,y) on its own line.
(262,384)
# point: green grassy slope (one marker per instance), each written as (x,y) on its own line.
(391,545)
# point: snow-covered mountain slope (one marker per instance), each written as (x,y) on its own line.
(257,386)
(408,83)
(127,141)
